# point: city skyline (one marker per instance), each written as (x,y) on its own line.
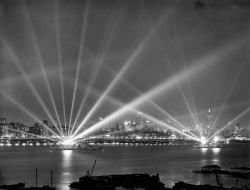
(138,120)
(139,128)
(74,61)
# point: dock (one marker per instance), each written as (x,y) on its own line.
(21,186)
(128,181)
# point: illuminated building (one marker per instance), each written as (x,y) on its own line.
(127,125)
(3,127)
(237,129)
(45,132)
(40,129)
(2,121)
(208,127)
(16,129)
(139,119)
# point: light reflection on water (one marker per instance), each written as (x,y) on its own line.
(66,165)
(203,150)
(66,158)
(173,163)
(216,150)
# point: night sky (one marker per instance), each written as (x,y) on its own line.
(199,55)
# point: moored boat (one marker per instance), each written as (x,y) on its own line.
(21,186)
(208,169)
(124,181)
(211,146)
(85,147)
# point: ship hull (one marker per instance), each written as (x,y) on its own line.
(210,146)
(77,148)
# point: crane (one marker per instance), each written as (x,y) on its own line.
(218,179)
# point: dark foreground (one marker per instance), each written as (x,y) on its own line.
(134,181)
(21,186)
(173,163)
(126,181)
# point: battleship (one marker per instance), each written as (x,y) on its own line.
(211,146)
(69,147)
(207,169)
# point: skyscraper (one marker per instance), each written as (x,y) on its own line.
(139,119)
(208,127)
(3,126)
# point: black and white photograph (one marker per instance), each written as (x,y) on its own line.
(124,94)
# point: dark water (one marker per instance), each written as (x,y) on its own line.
(173,163)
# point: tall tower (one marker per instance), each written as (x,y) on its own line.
(209,123)
(139,118)
(3,126)
(237,129)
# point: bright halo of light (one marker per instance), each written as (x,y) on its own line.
(203,140)
(67,142)
(216,138)
(216,150)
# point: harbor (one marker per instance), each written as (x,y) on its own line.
(143,181)
(154,92)
(172,163)
(132,181)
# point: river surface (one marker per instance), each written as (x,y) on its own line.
(173,163)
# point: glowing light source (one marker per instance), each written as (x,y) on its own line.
(67,142)
(233,120)
(216,150)
(216,138)
(203,140)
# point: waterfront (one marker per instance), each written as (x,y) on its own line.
(146,79)
(173,163)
